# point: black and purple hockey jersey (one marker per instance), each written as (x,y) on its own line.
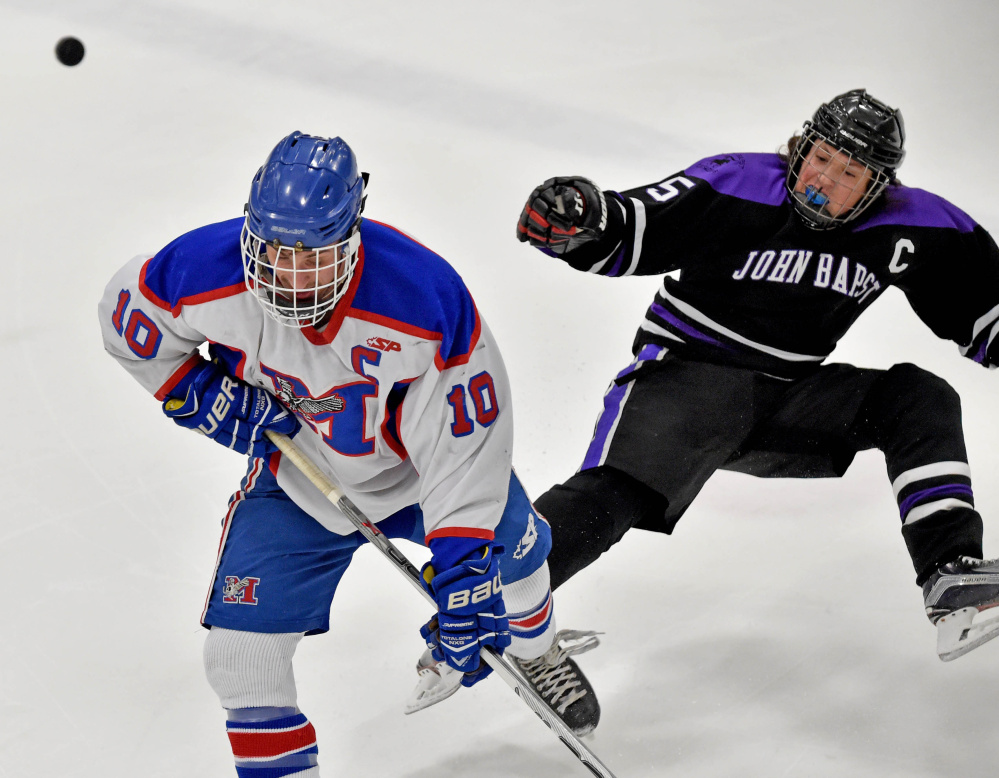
(758,289)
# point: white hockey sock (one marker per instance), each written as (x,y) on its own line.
(531,612)
(251,669)
(252,674)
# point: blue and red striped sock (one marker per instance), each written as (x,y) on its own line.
(272,743)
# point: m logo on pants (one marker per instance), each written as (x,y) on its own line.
(240,590)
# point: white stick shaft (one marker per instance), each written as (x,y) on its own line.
(499,664)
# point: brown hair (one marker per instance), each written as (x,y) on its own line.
(786,151)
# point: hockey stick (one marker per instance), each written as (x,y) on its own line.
(499,664)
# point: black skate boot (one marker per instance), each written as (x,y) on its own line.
(954,595)
(560,682)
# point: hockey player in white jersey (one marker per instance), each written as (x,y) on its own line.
(367,347)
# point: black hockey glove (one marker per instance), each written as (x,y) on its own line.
(563,214)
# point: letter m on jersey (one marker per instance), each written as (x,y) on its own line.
(340,414)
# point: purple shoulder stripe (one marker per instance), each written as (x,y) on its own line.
(758,178)
(908,207)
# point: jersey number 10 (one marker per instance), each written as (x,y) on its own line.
(483,394)
(140,332)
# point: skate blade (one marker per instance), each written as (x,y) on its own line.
(957,634)
(435,685)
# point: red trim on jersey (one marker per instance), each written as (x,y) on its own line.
(462,359)
(241,365)
(394,324)
(261,744)
(461,532)
(234,502)
(400,450)
(178,375)
(418,331)
(147,292)
(326,335)
(194,299)
(274,462)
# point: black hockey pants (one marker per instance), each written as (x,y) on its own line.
(682,420)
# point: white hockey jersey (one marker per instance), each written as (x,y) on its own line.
(403,396)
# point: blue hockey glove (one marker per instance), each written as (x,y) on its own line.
(563,214)
(470,613)
(230,412)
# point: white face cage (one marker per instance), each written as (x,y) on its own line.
(298,286)
(829,186)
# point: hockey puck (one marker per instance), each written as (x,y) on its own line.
(69,51)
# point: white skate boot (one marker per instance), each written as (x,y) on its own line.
(438,681)
(955,595)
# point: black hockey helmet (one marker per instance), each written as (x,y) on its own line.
(867,128)
(862,127)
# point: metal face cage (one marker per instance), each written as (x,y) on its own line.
(819,170)
(298,286)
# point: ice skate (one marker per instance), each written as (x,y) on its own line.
(955,595)
(560,682)
(438,681)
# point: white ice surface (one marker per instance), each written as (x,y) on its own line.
(776,633)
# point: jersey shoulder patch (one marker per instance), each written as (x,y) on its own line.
(413,289)
(906,206)
(201,265)
(758,178)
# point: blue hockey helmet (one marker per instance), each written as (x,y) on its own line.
(307,194)
(301,239)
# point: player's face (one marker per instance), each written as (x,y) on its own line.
(299,287)
(834,175)
(307,274)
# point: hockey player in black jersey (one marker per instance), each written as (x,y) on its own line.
(778,255)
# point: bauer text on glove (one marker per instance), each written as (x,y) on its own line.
(470,615)
(230,411)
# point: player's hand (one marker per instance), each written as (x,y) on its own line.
(563,214)
(470,613)
(230,412)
